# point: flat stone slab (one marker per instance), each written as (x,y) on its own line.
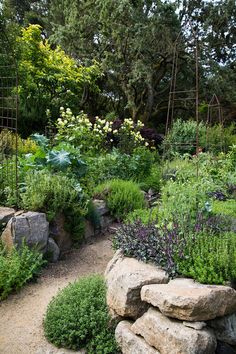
(129,342)
(125,277)
(188,300)
(170,336)
(6,214)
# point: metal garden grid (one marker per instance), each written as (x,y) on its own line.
(8,119)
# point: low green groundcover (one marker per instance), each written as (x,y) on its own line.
(78,318)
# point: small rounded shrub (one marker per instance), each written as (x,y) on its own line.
(51,193)
(121,196)
(78,318)
(146,216)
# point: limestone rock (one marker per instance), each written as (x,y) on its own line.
(187,300)
(225,328)
(100,206)
(30,227)
(6,214)
(106,221)
(129,342)
(53,250)
(115,318)
(195,325)
(89,230)
(125,277)
(60,235)
(170,336)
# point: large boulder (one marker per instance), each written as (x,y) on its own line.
(170,336)
(129,342)
(225,328)
(188,300)
(31,228)
(6,214)
(125,277)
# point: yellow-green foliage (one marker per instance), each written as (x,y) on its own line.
(9,140)
(210,259)
(227,207)
(146,216)
(48,78)
(121,196)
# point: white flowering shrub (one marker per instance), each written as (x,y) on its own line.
(129,135)
(99,136)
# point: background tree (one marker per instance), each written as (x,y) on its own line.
(133,42)
(26,12)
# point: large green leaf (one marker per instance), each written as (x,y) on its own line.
(59,159)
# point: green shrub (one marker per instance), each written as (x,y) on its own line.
(181,169)
(51,193)
(100,136)
(183,201)
(202,250)
(17,267)
(121,196)
(146,216)
(75,224)
(78,318)
(227,207)
(120,165)
(152,179)
(220,138)
(8,181)
(182,137)
(210,258)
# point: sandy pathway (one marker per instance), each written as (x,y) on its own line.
(21,314)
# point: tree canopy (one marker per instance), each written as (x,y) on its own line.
(133,43)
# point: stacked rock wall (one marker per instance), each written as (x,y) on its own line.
(158,315)
(31,228)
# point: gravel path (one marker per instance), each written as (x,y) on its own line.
(21,314)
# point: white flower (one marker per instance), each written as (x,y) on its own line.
(115,131)
(111,140)
(146,144)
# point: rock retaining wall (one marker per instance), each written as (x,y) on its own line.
(33,228)
(158,315)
